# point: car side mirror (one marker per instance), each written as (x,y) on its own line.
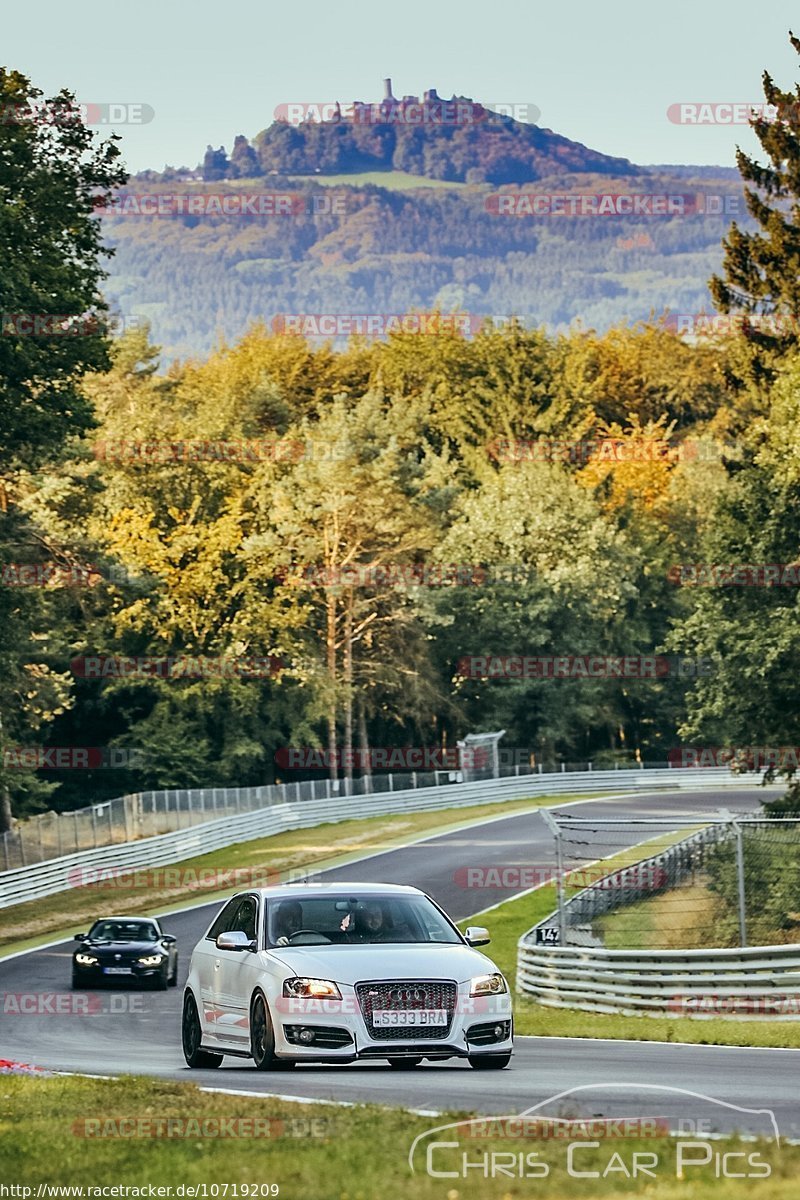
(169,939)
(81,937)
(476,935)
(235,940)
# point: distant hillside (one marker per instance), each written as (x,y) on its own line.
(692,172)
(370,250)
(394,207)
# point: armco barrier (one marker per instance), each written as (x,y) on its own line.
(757,981)
(58,874)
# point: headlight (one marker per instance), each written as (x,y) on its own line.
(152,960)
(86,960)
(319,989)
(488,985)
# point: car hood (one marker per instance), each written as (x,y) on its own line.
(104,948)
(352,964)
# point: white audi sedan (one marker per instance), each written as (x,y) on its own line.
(315,973)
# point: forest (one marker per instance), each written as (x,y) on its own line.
(288,545)
(358,247)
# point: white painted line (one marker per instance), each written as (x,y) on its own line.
(541,1037)
(417,1112)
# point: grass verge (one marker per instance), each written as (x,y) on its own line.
(259,863)
(685,917)
(391,180)
(324,1152)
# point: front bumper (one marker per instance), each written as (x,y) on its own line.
(337,1031)
(133,971)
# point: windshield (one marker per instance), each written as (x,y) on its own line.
(123,931)
(354,920)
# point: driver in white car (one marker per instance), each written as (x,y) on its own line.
(288,920)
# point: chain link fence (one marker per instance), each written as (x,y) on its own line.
(725,882)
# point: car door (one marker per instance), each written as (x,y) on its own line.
(235,975)
(205,960)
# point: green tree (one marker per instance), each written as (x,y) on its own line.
(54,175)
(761,268)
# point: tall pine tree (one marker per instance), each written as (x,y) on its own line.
(762,269)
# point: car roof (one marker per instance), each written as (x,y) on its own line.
(151,920)
(319,890)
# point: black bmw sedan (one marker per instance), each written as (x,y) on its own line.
(118,949)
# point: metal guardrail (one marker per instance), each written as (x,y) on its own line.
(61,874)
(756,981)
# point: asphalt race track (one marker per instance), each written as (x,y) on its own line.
(139,1031)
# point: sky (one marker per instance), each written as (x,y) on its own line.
(603,75)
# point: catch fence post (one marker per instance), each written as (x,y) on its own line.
(740,880)
(554,828)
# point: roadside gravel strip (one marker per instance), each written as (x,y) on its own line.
(139,1032)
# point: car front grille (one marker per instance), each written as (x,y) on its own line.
(403,995)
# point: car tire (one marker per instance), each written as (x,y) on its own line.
(191,1036)
(489,1062)
(262,1036)
(76,983)
(173,979)
(400,1063)
(161,981)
